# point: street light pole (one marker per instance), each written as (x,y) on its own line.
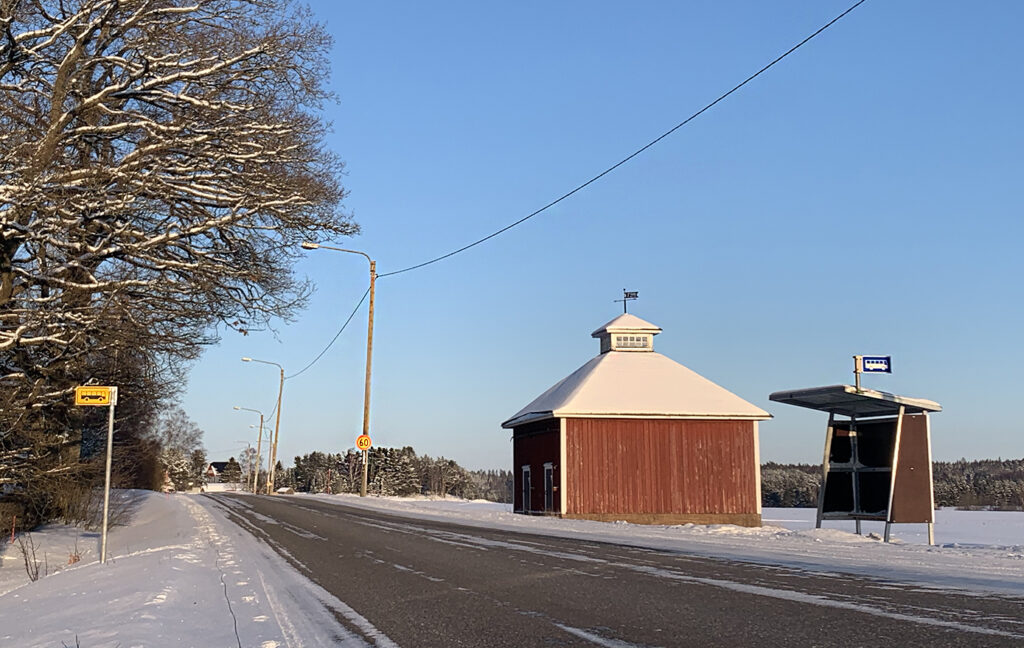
(369,349)
(277,423)
(259,445)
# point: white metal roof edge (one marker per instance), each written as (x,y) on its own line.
(540,416)
(685,416)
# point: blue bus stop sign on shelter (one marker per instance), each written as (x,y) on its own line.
(875,364)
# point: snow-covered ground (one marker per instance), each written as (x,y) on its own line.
(180,574)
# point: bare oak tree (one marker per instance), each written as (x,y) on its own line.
(179,438)
(160,162)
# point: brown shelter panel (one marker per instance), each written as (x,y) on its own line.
(660,468)
(912,492)
(535,444)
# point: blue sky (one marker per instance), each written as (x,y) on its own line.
(863,196)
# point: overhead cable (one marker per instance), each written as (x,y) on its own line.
(631,155)
(333,340)
(589,182)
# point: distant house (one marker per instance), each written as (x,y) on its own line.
(214,478)
(214,471)
(633,435)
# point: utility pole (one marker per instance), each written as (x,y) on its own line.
(307,245)
(277,428)
(277,422)
(366,386)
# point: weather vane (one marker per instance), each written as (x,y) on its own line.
(627,296)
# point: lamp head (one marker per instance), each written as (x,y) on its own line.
(246,359)
(309,245)
(236,407)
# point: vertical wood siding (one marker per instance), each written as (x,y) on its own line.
(660,466)
(534,444)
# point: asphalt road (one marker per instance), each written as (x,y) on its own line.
(435,584)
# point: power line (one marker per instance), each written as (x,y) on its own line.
(585,184)
(634,153)
(333,340)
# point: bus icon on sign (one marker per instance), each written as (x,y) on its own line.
(94,395)
(876,364)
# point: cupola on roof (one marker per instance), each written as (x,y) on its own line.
(621,383)
(627,333)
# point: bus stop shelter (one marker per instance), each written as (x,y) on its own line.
(878,460)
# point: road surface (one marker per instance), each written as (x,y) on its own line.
(437,584)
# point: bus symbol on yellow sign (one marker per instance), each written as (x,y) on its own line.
(94,395)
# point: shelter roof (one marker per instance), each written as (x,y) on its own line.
(848,401)
(636,385)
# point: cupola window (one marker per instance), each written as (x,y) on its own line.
(632,341)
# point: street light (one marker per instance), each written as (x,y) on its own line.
(259,444)
(277,423)
(307,245)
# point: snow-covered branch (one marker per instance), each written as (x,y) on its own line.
(160,162)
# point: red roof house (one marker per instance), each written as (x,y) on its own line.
(633,435)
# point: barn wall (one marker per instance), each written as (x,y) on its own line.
(534,444)
(662,471)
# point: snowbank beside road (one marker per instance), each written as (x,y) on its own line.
(177,575)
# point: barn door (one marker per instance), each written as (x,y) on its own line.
(549,487)
(526,489)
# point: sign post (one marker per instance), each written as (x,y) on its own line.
(363,442)
(870,364)
(97,396)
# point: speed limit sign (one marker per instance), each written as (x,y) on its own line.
(363,442)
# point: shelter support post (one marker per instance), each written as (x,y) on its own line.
(854,477)
(824,470)
(895,468)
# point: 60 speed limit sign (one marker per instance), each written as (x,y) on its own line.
(363,442)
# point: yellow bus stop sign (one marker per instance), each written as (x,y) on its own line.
(94,395)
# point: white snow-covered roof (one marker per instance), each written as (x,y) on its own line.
(636,385)
(627,322)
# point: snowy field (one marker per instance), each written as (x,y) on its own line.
(180,574)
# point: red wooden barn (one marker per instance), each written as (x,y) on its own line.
(633,435)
